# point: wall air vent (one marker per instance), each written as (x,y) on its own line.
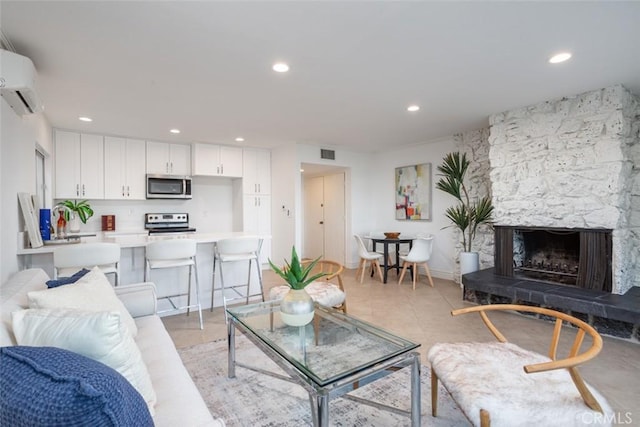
(327,154)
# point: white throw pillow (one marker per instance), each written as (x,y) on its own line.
(100,336)
(92,292)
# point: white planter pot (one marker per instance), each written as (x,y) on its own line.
(469,262)
(296,308)
(74,222)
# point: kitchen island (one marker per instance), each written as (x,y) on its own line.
(132,260)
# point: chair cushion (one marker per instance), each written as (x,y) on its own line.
(52,386)
(490,376)
(100,336)
(170,263)
(324,293)
(93,292)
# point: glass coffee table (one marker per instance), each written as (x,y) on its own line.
(329,357)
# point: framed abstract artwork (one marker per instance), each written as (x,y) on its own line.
(413,192)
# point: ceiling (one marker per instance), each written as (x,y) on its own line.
(141,68)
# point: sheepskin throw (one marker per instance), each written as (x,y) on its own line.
(490,376)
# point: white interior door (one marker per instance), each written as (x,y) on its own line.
(313,218)
(334,217)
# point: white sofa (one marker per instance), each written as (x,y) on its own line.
(178,400)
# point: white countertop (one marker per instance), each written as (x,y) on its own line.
(138,239)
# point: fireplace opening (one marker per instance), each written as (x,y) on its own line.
(548,255)
(576,257)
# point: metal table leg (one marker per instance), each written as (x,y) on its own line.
(231,347)
(415,392)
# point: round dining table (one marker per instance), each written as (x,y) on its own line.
(385,242)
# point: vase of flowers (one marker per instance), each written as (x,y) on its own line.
(296,308)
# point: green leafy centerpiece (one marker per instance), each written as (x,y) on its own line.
(77,210)
(296,308)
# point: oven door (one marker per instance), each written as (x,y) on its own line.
(168,187)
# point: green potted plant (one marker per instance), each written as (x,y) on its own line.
(467,215)
(77,210)
(296,308)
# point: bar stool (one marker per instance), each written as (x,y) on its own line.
(171,254)
(235,250)
(67,260)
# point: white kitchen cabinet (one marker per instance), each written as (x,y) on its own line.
(256,175)
(217,160)
(124,170)
(256,217)
(79,163)
(168,159)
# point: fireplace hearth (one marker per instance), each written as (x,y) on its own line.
(576,257)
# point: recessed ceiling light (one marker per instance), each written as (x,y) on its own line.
(560,57)
(85,119)
(280,67)
(175,131)
(413,108)
(239,139)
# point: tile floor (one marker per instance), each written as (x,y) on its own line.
(423,316)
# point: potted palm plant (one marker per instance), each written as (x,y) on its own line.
(296,308)
(77,211)
(467,215)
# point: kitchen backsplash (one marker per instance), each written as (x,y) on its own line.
(210,210)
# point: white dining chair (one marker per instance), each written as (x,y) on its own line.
(67,260)
(419,254)
(175,253)
(366,256)
(238,249)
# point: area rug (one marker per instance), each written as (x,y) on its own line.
(253,399)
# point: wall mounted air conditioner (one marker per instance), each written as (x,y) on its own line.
(18,83)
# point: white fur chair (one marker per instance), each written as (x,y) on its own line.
(502,384)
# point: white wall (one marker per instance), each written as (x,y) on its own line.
(442,263)
(18,139)
(285,186)
(370,195)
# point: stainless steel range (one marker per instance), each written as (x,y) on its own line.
(167,223)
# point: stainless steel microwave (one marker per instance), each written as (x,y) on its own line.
(168,187)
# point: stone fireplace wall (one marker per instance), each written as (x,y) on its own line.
(575,163)
(476,146)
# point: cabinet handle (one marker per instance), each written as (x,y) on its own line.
(83,189)
(259,189)
(255,188)
(128,191)
(123,191)
(171,167)
(166,167)
(77,189)
(222,169)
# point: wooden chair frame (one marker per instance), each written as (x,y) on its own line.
(334,270)
(569,363)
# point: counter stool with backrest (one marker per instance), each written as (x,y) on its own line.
(419,254)
(236,250)
(175,253)
(67,260)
